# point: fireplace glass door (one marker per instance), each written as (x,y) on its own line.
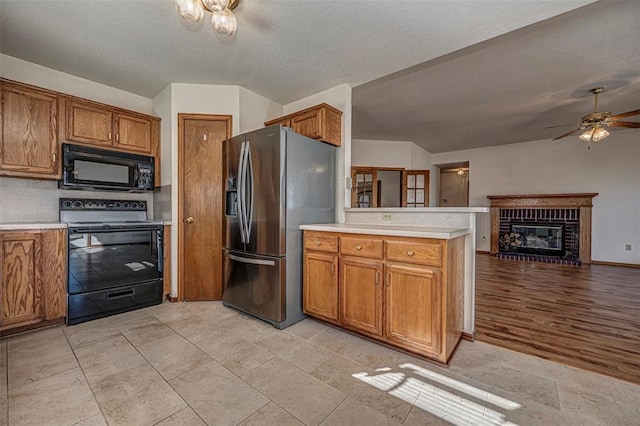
(538,238)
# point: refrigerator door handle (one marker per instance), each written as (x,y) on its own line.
(249,201)
(251,261)
(240,199)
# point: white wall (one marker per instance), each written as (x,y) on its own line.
(403,154)
(255,110)
(610,168)
(338,97)
(48,78)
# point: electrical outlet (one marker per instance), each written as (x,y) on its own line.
(387,216)
(628,247)
(484,239)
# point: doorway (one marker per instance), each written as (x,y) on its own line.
(454,186)
(200,191)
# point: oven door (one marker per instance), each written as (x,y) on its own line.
(112,271)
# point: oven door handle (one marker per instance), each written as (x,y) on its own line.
(120,294)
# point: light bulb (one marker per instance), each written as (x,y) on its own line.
(595,134)
(190,10)
(224,22)
(216,5)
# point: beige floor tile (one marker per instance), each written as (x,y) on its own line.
(217,395)
(474,355)
(339,372)
(533,414)
(577,378)
(301,394)
(307,328)
(95,420)
(173,356)
(632,393)
(234,353)
(597,405)
(250,329)
(144,330)
(138,396)
(357,349)
(352,412)
(271,414)
(184,417)
(128,316)
(61,399)
(38,355)
(522,385)
(4,397)
(87,333)
(295,350)
(107,357)
(419,417)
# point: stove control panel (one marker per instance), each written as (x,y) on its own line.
(84,204)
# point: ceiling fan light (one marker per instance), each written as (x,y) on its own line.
(190,10)
(594,134)
(216,5)
(224,22)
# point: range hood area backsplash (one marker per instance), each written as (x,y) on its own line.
(35,200)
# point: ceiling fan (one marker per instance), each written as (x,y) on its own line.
(595,124)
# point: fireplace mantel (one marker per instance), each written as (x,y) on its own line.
(581,201)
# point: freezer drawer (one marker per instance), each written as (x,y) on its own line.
(255,285)
(97,304)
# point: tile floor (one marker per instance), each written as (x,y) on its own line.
(201,363)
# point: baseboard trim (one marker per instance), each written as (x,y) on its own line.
(624,265)
(482,251)
(172,299)
(469,336)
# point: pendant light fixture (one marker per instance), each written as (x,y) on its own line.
(223,19)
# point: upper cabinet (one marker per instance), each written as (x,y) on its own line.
(322,122)
(90,123)
(29,146)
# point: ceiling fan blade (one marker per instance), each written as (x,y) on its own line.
(560,125)
(625,114)
(630,124)
(567,134)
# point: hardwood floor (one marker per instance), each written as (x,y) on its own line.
(588,317)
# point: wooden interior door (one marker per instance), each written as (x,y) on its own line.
(415,188)
(200,188)
(365,188)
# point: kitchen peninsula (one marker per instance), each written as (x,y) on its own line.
(401,276)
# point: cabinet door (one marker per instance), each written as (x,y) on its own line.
(88,123)
(286,122)
(361,294)
(29,144)
(320,292)
(413,308)
(308,124)
(133,134)
(54,268)
(21,291)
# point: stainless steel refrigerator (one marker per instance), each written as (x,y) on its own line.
(275,180)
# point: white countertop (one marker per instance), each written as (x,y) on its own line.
(419,209)
(393,230)
(16,226)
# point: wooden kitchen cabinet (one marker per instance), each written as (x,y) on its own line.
(89,123)
(322,122)
(133,133)
(406,292)
(321,286)
(33,267)
(29,146)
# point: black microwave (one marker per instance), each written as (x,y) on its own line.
(100,169)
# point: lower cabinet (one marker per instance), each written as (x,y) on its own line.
(33,271)
(406,292)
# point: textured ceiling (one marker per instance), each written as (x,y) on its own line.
(447,75)
(509,88)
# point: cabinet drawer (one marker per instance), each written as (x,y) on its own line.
(319,241)
(414,252)
(361,246)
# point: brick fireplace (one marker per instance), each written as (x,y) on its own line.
(552,228)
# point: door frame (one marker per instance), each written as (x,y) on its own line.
(182,117)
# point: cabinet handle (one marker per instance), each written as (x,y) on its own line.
(318,243)
(358,247)
(333,268)
(109,135)
(117,137)
(410,253)
(54,158)
(388,279)
(377,277)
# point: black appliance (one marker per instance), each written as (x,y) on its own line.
(99,169)
(114,257)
